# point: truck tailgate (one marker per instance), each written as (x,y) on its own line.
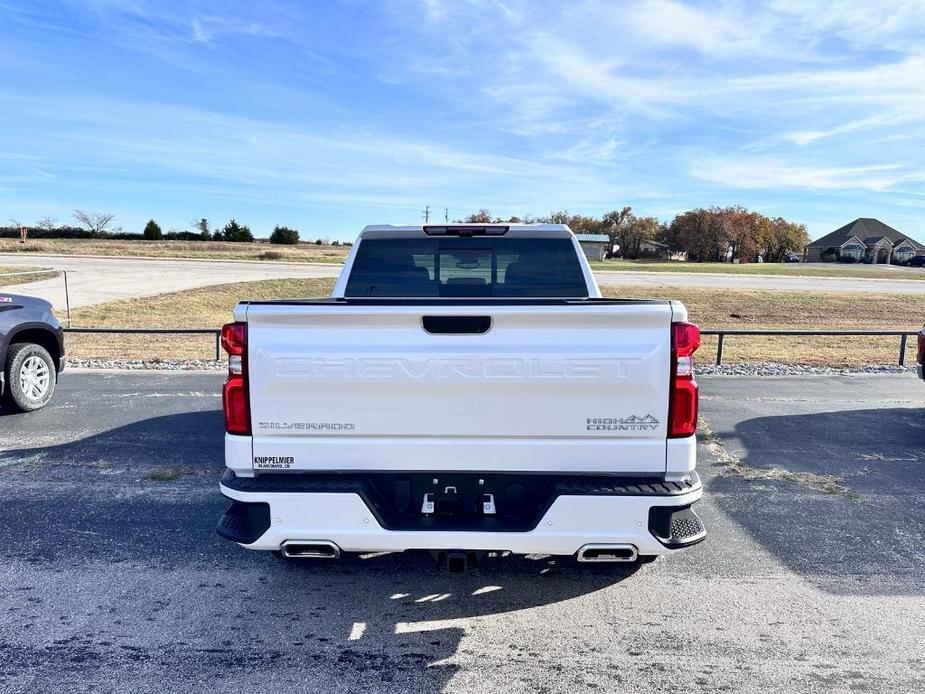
(570,387)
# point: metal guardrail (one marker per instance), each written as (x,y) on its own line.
(720,334)
(216,332)
(902,335)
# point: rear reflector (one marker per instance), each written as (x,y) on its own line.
(234,393)
(683,396)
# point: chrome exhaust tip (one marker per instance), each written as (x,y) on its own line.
(309,549)
(607,553)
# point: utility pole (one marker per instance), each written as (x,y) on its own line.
(446,215)
(426,214)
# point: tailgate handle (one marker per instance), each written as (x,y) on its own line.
(457,325)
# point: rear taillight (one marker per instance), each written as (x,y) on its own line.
(682,400)
(921,351)
(234,393)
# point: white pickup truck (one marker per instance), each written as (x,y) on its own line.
(465,390)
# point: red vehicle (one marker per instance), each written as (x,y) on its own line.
(920,366)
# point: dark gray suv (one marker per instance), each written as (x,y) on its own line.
(31,351)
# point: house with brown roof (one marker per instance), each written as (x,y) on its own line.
(864,240)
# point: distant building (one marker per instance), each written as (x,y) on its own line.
(654,249)
(594,245)
(864,240)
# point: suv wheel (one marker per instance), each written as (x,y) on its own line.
(30,376)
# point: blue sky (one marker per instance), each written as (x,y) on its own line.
(326,116)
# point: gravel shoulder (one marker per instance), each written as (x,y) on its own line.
(744,369)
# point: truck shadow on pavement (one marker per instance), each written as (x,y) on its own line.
(838,497)
(142,566)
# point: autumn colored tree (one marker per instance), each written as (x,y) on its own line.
(639,230)
(614,224)
(483,216)
(783,237)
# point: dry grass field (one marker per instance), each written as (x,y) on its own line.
(783,269)
(7,280)
(195,250)
(711,308)
(208,307)
(778,310)
(312,253)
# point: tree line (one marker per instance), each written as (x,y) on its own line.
(712,234)
(99,225)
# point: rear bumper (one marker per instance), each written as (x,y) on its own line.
(260,519)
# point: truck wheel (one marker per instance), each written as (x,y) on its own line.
(30,376)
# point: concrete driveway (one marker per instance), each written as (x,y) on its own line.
(97,280)
(112,579)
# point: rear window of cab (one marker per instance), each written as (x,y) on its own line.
(477,267)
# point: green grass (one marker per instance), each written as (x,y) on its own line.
(784,269)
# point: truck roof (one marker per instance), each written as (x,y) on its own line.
(546,230)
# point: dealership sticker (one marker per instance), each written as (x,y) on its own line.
(273,462)
(6,300)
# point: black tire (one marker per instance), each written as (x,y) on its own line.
(40,387)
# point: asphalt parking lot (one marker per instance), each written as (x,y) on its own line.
(812,577)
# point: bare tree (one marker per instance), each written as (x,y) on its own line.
(47,223)
(202,226)
(93,221)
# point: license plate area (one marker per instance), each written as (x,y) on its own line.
(455,501)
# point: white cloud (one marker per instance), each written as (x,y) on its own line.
(207,27)
(807,137)
(591,151)
(896,25)
(517,103)
(767,173)
(195,147)
(719,31)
